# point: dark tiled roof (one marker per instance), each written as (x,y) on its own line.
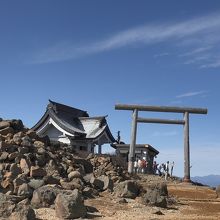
(75,121)
(65,109)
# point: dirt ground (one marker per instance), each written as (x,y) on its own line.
(192,202)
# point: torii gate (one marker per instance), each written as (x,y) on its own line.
(184,122)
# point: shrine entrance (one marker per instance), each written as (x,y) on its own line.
(185,122)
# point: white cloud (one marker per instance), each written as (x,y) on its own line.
(211,65)
(190,94)
(147,34)
(196,51)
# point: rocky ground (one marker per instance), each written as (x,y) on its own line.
(40,180)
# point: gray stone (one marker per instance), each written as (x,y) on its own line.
(39,144)
(17,125)
(70,206)
(3,145)
(18,181)
(6,206)
(108,183)
(4,124)
(13,155)
(26,142)
(74,174)
(87,178)
(17,138)
(127,189)
(97,183)
(15,170)
(40,160)
(25,165)
(36,183)
(88,167)
(45,196)
(51,180)
(156,195)
(89,192)
(4,156)
(37,172)
(23,212)
(25,191)
(23,150)
(7,130)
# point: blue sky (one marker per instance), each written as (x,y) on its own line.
(94,54)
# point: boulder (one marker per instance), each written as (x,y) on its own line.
(108,183)
(70,206)
(23,150)
(74,174)
(7,130)
(40,160)
(51,180)
(36,183)
(15,170)
(6,206)
(25,191)
(87,178)
(39,144)
(23,213)
(127,189)
(26,141)
(4,156)
(88,167)
(13,155)
(17,125)
(76,183)
(32,134)
(36,171)
(18,181)
(4,124)
(3,145)
(97,183)
(89,192)
(17,138)
(25,165)
(156,195)
(45,196)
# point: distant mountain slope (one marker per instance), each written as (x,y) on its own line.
(211,180)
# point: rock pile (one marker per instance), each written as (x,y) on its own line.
(32,168)
(39,174)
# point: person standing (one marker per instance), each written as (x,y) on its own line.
(135,166)
(166,170)
(139,165)
(155,167)
(171,169)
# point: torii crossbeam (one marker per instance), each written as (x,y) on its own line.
(185,122)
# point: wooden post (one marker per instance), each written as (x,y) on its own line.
(133,141)
(186,149)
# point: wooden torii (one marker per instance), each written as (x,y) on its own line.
(184,122)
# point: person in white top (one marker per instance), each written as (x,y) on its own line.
(166,170)
(135,166)
(139,165)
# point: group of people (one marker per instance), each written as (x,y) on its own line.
(163,169)
(140,166)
